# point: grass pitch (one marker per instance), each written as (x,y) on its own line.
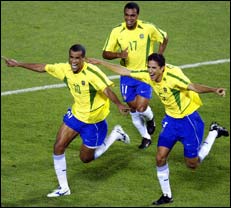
(124,176)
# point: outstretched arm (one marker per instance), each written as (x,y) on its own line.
(206,89)
(30,66)
(113,67)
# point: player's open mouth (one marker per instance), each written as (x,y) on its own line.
(152,76)
(74,66)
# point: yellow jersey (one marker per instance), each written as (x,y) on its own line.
(139,41)
(91,105)
(173,91)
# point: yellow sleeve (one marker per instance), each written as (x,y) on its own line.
(111,43)
(56,70)
(158,34)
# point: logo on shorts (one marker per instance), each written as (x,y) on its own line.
(164,124)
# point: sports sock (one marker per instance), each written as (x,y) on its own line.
(207,145)
(60,170)
(139,123)
(147,114)
(163,177)
(109,140)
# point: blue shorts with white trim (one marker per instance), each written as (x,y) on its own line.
(92,135)
(188,130)
(131,87)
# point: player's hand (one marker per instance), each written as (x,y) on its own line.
(10,62)
(220,91)
(124,109)
(124,53)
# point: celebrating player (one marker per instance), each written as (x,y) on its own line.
(132,41)
(91,90)
(182,122)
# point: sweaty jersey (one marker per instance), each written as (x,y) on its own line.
(139,41)
(90,103)
(173,91)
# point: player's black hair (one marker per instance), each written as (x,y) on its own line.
(159,58)
(132,5)
(78,47)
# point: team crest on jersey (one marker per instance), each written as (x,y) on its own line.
(165,89)
(141,36)
(83,82)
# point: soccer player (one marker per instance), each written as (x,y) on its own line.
(182,122)
(91,91)
(132,41)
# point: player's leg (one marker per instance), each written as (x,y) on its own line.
(144,94)
(166,141)
(163,175)
(129,88)
(96,141)
(139,122)
(215,131)
(64,137)
(146,114)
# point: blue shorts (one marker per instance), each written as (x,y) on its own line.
(188,130)
(130,88)
(93,135)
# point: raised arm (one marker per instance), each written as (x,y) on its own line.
(206,89)
(113,67)
(30,66)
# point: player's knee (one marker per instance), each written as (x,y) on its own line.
(192,164)
(86,159)
(141,108)
(160,160)
(59,148)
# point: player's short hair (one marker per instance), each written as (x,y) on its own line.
(159,58)
(132,5)
(78,47)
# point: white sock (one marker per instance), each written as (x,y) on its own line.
(147,114)
(109,140)
(207,145)
(60,170)
(163,177)
(139,123)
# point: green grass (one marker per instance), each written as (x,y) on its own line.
(124,176)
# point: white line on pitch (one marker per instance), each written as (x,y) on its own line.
(110,77)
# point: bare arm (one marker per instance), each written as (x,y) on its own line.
(206,89)
(124,109)
(163,45)
(113,67)
(30,66)
(112,55)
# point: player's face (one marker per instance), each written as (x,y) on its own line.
(76,61)
(155,71)
(130,17)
